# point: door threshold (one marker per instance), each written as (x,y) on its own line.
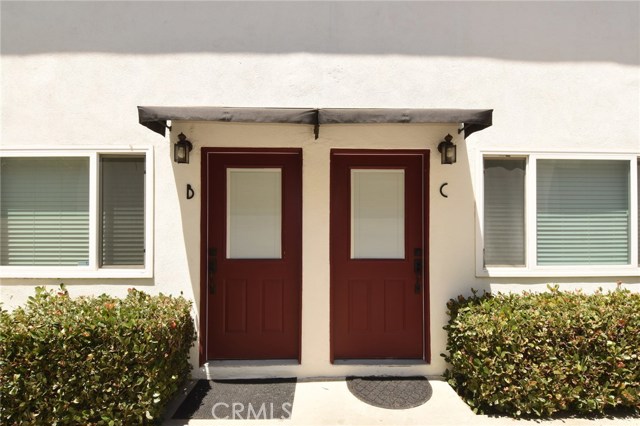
(251,362)
(385,362)
(247,369)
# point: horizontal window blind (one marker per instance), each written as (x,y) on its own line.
(504,212)
(377,214)
(583,212)
(122,211)
(44,211)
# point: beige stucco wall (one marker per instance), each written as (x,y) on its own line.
(72,76)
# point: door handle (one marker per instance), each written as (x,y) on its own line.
(212,267)
(417,269)
(417,266)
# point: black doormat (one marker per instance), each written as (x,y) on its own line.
(391,392)
(239,399)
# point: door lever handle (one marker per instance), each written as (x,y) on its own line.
(417,269)
(212,262)
(417,266)
(212,266)
(212,285)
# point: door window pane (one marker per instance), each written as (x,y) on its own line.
(504,230)
(583,212)
(377,214)
(44,211)
(254,213)
(122,211)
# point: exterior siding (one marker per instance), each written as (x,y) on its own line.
(561,78)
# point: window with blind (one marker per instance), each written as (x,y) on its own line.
(583,212)
(557,214)
(122,211)
(52,216)
(504,215)
(44,210)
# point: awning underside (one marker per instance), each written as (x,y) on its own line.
(473,120)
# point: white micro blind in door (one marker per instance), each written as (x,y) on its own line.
(122,211)
(377,214)
(44,211)
(254,213)
(504,212)
(583,212)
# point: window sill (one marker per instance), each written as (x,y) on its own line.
(52,272)
(569,272)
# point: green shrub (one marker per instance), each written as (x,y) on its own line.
(92,361)
(539,354)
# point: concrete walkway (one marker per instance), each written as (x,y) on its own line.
(331,403)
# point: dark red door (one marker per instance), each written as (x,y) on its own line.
(251,272)
(378,246)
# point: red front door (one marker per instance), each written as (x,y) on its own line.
(251,253)
(379,289)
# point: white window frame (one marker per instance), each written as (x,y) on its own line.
(93,269)
(531,268)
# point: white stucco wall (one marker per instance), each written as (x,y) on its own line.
(560,78)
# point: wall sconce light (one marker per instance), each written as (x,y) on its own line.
(181,149)
(447,150)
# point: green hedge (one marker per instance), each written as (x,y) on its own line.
(540,354)
(92,361)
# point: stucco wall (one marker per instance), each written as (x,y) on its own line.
(559,76)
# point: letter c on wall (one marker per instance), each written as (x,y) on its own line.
(442,188)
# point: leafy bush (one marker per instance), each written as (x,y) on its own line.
(539,354)
(92,361)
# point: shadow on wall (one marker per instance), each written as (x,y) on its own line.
(527,31)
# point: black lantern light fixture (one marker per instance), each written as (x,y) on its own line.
(447,150)
(181,149)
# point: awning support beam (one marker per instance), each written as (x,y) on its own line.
(316,125)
